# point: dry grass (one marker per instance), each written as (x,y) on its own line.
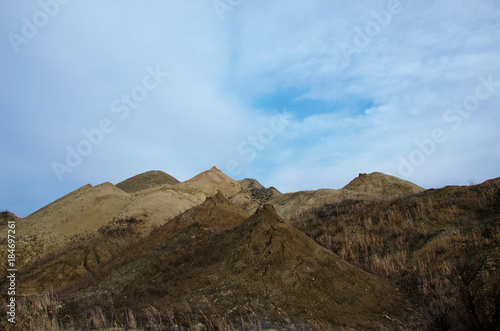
(419,243)
(45,312)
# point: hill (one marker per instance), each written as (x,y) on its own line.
(212,181)
(375,186)
(262,265)
(440,245)
(378,185)
(379,253)
(146,180)
(79,215)
(75,216)
(82,259)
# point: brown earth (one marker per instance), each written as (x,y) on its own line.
(146,180)
(158,198)
(80,214)
(442,246)
(75,216)
(153,240)
(81,260)
(211,182)
(374,186)
(378,185)
(262,265)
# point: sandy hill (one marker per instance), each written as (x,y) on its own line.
(212,181)
(76,262)
(216,213)
(378,185)
(182,249)
(82,259)
(146,180)
(79,215)
(375,186)
(262,265)
(292,204)
(156,198)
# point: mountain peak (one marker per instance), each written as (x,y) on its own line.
(146,180)
(264,216)
(267,210)
(380,185)
(217,213)
(212,181)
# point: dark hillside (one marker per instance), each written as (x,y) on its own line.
(441,245)
(262,266)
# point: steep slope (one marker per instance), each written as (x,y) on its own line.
(81,260)
(212,181)
(158,205)
(380,186)
(278,271)
(145,181)
(263,265)
(72,263)
(78,214)
(217,213)
(441,245)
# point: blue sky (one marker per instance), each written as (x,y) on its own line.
(299,95)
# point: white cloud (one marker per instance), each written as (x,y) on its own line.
(428,58)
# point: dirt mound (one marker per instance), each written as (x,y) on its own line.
(81,260)
(73,263)
(211,182)
(373,186)
(263,265)
(378,185)
(441,245)
(257,191)
(80,213)
(216,213)
(160,204)
(280,271)
(253,195)
(146,180)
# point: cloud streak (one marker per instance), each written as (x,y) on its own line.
(348,112)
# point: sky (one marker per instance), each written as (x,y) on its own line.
(299,95)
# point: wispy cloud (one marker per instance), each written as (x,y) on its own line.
(227,80)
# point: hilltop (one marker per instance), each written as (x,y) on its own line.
(378,185)
(146,180)
(214,252)
(243,267)
(374,186)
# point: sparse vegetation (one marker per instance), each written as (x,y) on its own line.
(441,246)
(436,254)
(45,312)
